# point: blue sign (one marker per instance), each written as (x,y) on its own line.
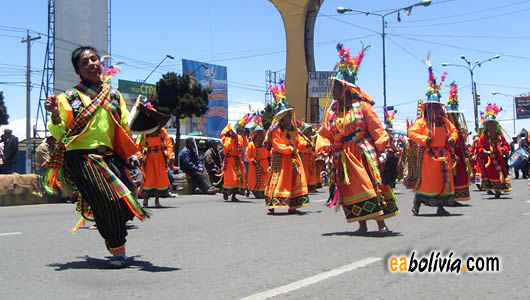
(213,77)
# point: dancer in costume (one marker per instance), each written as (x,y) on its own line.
(476,174)
(155,155)
(436,136)
(462,169)
(90,122)
(287,187)
(352,138)
(491,148)
(258,157)
(308,156)
(234,142)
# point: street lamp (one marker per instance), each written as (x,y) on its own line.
(167,56)
(470,67)
(407,10)
(513,97)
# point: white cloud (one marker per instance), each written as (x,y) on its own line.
(238,108)
(19,127)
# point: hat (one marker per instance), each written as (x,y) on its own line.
(492,110)
(279,102)
(303,126)
(189,140)
(347,68)
(255,124)
(452,102)
(145,119)
(433,91)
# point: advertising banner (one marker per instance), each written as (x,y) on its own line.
(77,22)
(522,107)
(213,77)
(319,83)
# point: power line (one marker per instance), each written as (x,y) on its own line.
(468,21)
(461,48)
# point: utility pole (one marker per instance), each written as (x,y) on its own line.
(28,100)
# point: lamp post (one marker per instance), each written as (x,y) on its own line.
(167,56)
(513,98)
(407,10)
(470,67)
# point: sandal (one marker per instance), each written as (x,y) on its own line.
(118,261)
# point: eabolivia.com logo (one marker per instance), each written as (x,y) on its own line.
(436,262)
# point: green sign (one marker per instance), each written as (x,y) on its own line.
(133,87)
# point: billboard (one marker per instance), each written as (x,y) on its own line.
(213,77)
(522,107)
(77,22)
(319,83)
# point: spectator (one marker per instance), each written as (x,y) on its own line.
(43,151)
(214,163)
(525,144)
(10,152)
(191,165)
(514,145)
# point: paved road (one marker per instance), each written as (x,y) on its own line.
(200,247)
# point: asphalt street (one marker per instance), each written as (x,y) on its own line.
(200,247)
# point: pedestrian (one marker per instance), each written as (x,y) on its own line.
(234,143)
(460,154)
(436,136)
(192,166)
(514,145)
(491,149)
(258,157)
(524,144)
(90,122)
(287,187)
(10,152)
(214,163)
(155,155)
(44,150)
(353,139)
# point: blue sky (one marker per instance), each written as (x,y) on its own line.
(248,38)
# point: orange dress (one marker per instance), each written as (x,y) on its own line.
(233,167)
(435,184)
(155,154)
(258,167)
(352,144)
(310,168)
(287,187)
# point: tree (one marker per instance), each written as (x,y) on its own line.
(176,95)
(3,111)
(266,116)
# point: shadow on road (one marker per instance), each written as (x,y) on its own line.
(373,234)
(90,263)
(435,215)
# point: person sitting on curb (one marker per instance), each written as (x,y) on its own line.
(191,165)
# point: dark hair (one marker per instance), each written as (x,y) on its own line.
(77,53)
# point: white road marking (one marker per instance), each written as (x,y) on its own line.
(311,280)
(526,214)
(10,233)
(316,201)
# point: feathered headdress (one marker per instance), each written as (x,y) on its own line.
(107,73)
(279,102)
(452,102)
(433,92)
(388,118)
(241,123)
(255,124)
(348,66)
(492,110)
